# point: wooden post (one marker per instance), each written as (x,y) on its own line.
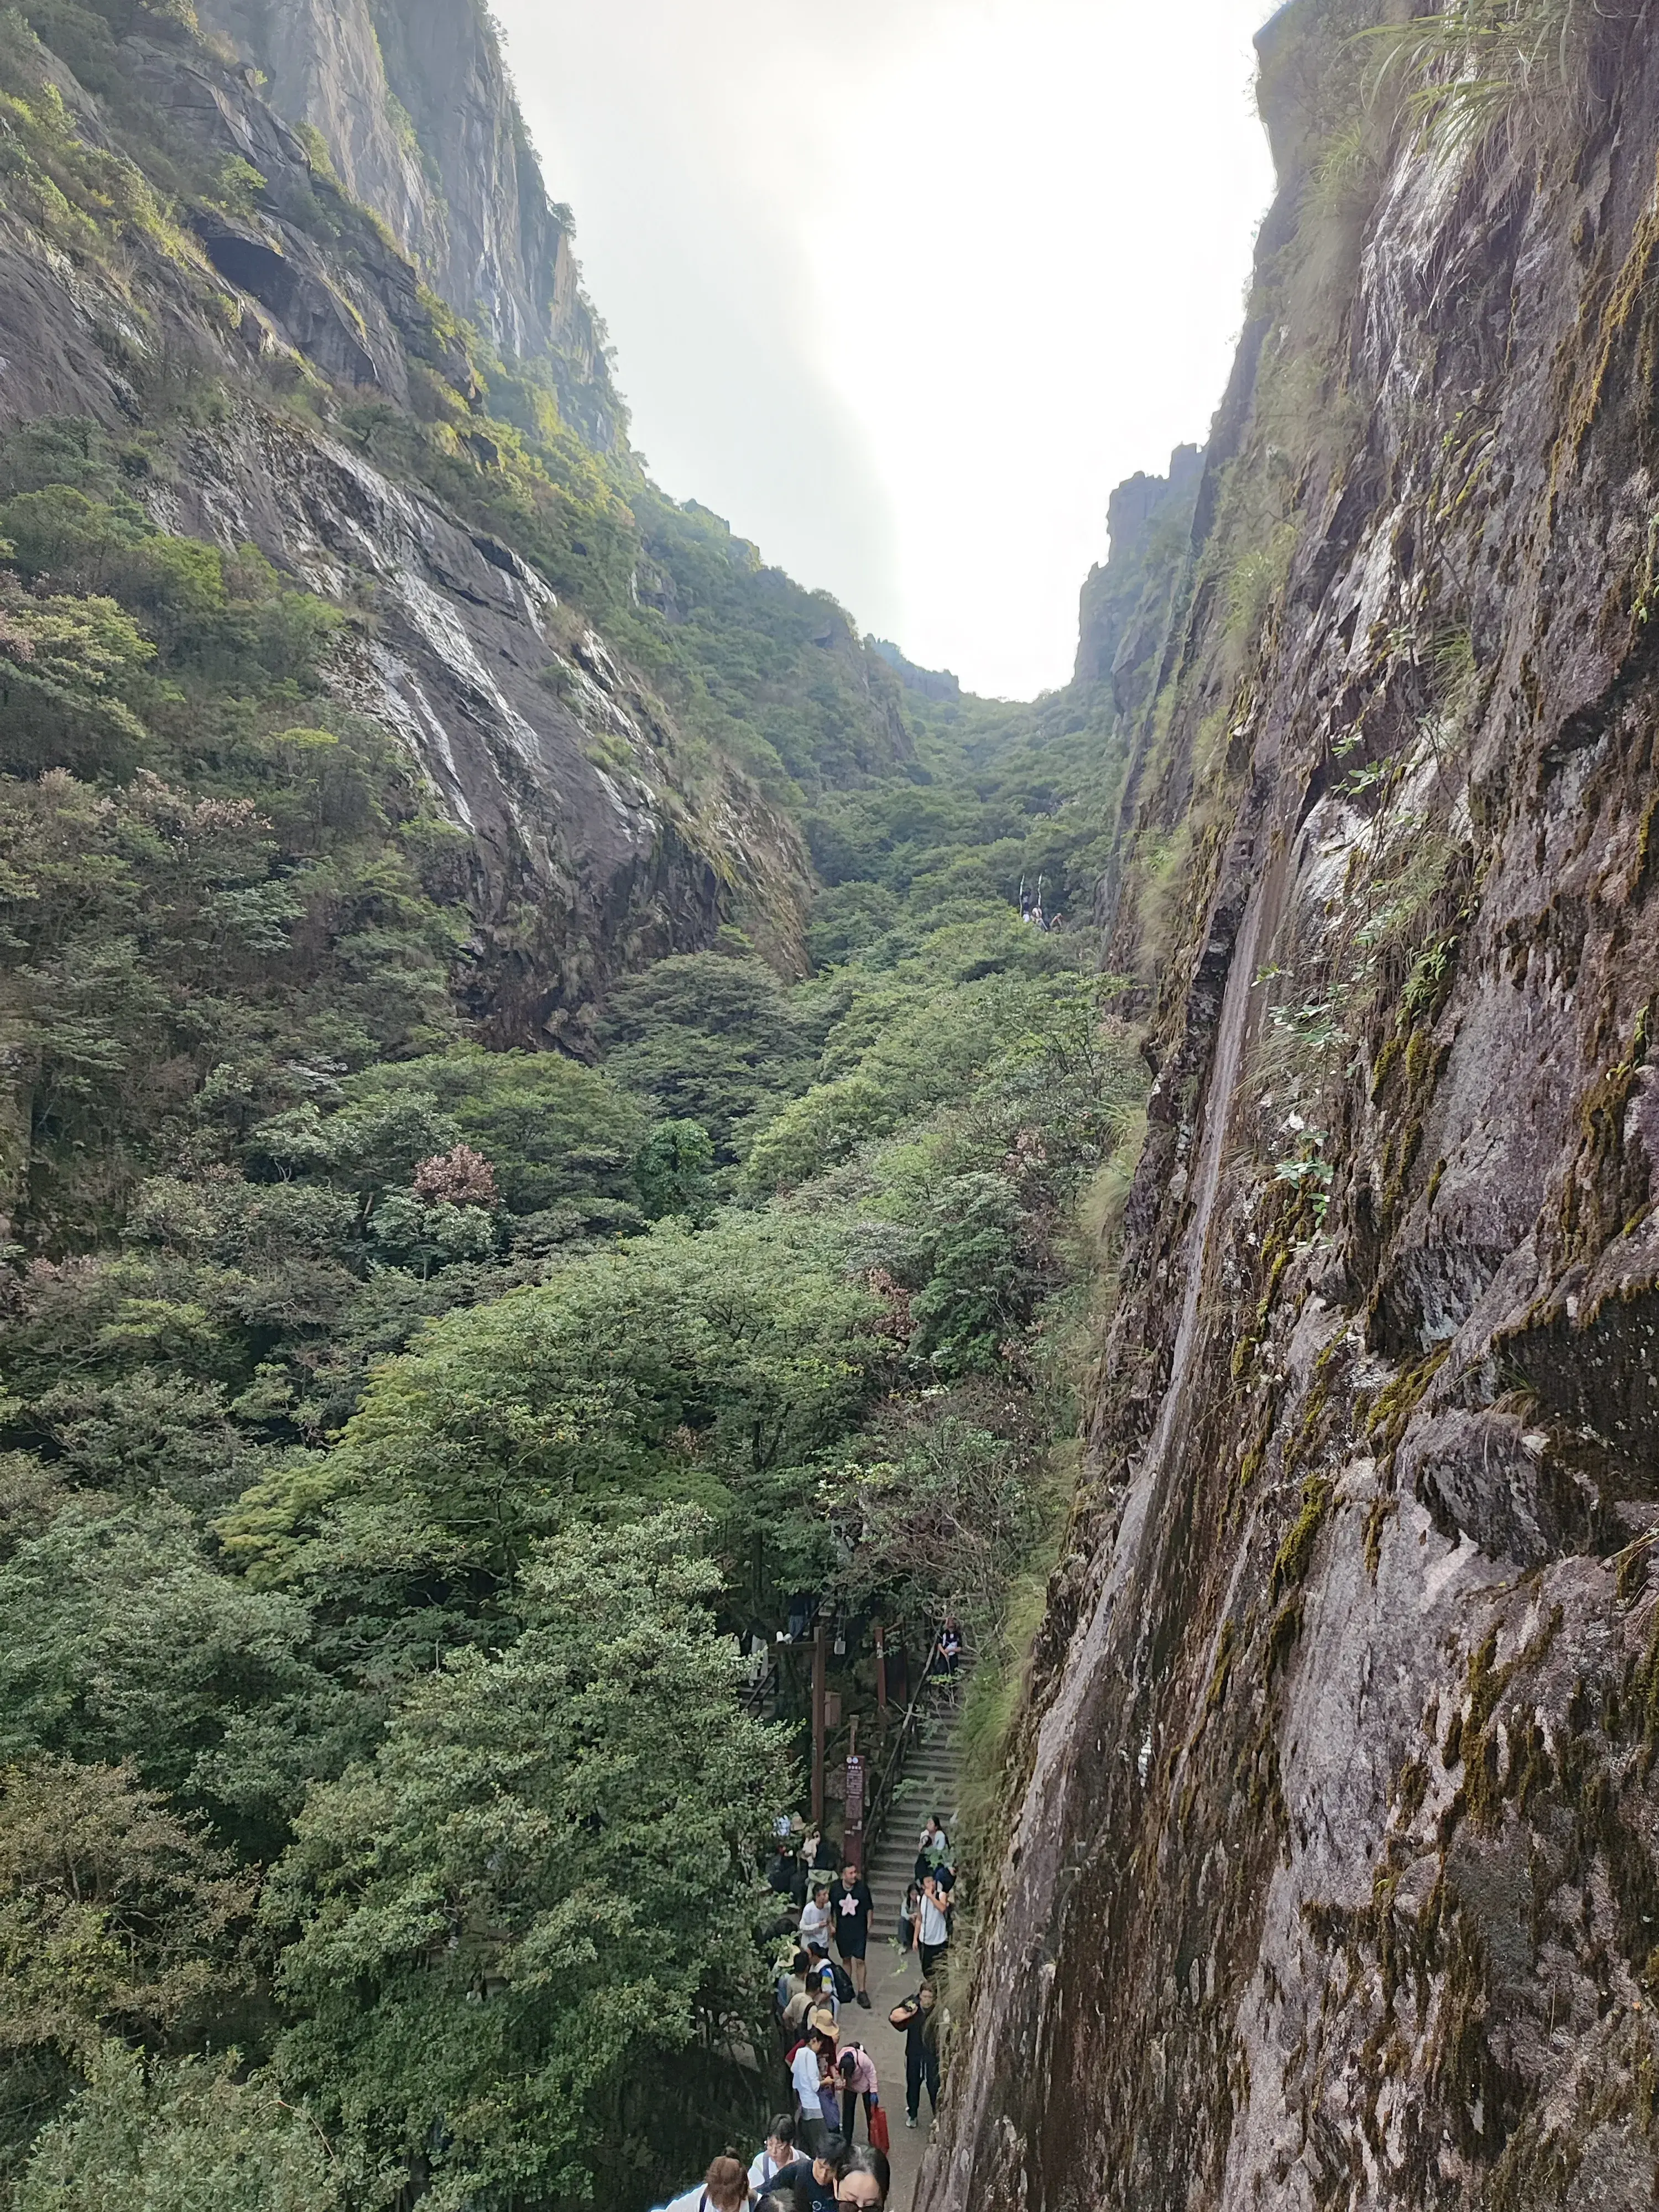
(881,1674)
(852,1837)
(818,1673)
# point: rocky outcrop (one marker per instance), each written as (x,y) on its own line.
(1330,1873)
(1124,608)
(592,843)
(584,854)
(412,99)
(927,683)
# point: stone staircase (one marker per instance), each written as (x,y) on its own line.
(930,1783)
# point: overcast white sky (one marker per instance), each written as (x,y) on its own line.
(902,288)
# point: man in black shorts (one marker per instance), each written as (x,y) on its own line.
(850,1907)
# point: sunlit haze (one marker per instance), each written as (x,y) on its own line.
(902,288)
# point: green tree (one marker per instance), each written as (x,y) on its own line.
(817,1130)
(680,1366)
(707,1039)
(70,670)
(504,1932)
(116,1918)
(122,1642)
(184,2136)
(673,1171)
(947,1509)
(551,1128)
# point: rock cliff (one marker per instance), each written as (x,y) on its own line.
(411,101)
(1329,1873)
(1123,607)
(308,263)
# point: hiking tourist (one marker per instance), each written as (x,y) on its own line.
(806,2074)
(809,2185)
(775,2154)
(725,2188)
(791,1985)
(803,2003)
(815,1914)
(823,1985)
(933,1924)
(829,2072)
(909,1912)
(818,1855)
(851,1905)
(917,2021)
(864,2180)
(858,2079)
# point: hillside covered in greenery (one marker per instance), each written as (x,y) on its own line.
(408,1399)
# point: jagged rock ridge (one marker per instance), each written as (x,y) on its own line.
(1122,609)
(931,682)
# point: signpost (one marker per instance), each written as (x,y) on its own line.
(852,1836)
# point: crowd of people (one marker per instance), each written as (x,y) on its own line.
(834,2175)
(810,2160)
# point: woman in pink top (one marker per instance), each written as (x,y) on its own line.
(858,2079)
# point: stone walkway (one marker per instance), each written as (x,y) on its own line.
(930,1785)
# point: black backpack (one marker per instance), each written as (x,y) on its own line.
(843,1981)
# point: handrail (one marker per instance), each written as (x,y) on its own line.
(754,1697)
(876,1810)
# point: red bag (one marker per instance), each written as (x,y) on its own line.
(880,2136)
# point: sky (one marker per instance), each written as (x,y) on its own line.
(903,288)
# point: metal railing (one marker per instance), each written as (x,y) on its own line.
(761,1689)
(884,1788)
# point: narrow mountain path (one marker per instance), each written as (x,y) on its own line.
(931,1784)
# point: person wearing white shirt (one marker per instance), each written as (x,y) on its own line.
(933,1925)
(815,1915)
(724,2188)
(935,1844)
(806,2073)
(776,2151)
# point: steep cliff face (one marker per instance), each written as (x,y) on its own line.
(411,100)
(181,264)
(1330,1873)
